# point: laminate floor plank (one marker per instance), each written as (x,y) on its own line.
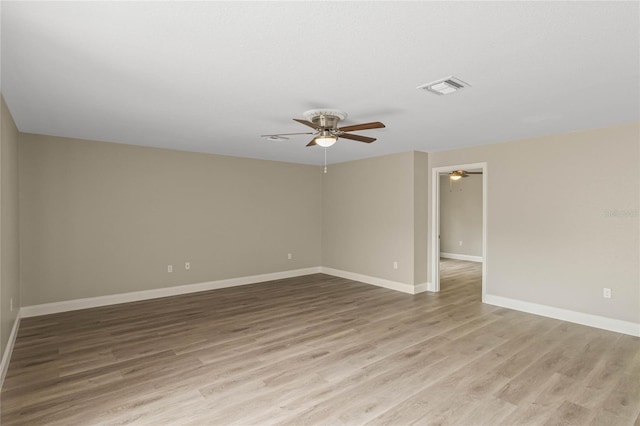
(319,350)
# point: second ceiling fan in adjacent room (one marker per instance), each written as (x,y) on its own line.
(459,174)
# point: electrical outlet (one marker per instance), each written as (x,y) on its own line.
(395,265)
(606,293)
(460,243)
(289,256)
(187,265)
(170,268)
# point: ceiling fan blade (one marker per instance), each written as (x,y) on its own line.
(364,126)
(306,123)
(358,138)
(286,134)
(312,143)
(474,173)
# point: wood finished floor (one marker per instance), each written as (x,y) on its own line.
(320,350)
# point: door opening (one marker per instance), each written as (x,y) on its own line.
(439,173)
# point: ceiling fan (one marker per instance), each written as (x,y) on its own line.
(459,174)
(326,132)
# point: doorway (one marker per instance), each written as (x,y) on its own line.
(436,197)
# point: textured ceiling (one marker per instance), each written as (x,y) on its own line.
(214,76)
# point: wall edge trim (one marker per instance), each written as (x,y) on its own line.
(8,350)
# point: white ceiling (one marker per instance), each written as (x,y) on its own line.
(214,76)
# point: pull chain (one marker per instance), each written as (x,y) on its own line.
(325,160)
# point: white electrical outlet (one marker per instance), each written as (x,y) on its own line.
(460,243)
(289,256)
(170,268)
(395,265)
(187,265)
(606,293)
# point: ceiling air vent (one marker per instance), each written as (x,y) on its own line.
(445,86)
(275,138)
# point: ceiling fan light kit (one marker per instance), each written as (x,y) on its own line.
(325,139)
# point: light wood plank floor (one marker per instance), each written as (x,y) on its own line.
(320,350)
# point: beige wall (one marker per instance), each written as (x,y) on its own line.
(9,241)
(369,217)
(563,219)
(103,218)
(100,218)
(420,216)
(461,215)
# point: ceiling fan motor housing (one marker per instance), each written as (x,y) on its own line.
(324,118)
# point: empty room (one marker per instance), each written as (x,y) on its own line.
(319,213)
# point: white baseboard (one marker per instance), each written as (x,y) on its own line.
(461,257)
(113,299)
(422,287)
(619,326)
(8,350)
(610,324)
(380,282)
